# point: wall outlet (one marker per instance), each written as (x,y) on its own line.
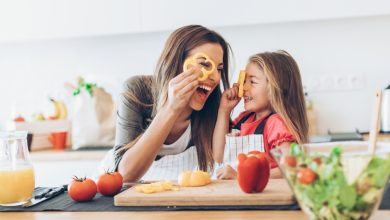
(335,83)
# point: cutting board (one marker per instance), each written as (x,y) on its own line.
(217,193)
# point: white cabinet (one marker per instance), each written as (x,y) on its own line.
(58,173)
(55,168)
(47,19)
(157,15)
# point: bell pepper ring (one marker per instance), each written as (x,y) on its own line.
(253,171)
(206,71)
(241,80)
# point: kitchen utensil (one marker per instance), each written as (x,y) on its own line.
(218,192)
(43,193)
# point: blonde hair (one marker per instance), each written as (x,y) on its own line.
(285,90)
(169,65)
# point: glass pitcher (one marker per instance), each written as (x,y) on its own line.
(17,180)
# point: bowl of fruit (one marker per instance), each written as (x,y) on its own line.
(336,180)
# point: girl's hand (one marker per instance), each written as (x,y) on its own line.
(226,173)
(229,99)
(181,88)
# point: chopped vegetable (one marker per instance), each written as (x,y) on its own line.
(323,185)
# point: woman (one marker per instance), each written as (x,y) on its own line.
(165,122)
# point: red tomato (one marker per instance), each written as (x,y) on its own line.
(82,189)
(110,184)
(306,176)
(317,160)
(290,161)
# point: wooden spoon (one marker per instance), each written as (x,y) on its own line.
(375,123)
(354,166)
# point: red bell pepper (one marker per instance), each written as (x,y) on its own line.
(253,171)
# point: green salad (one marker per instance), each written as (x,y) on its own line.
(327,187)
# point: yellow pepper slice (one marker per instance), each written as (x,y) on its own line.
(241,80)
(206,71)
(156,187)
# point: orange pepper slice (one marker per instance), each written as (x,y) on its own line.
(206,71)
(241,80)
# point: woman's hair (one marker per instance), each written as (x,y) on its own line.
(170,64)
(285,90)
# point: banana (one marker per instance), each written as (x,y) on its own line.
(57,112)
(63,110)
(60,110)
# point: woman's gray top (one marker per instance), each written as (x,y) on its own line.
(133,118)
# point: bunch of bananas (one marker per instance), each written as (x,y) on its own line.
(60,110)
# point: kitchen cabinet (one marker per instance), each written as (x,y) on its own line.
(56,168)
(23,20)
(167,15)
(45,19)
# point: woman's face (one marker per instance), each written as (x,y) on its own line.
(255,89)
(206,87)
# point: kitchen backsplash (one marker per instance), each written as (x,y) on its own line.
(327,52)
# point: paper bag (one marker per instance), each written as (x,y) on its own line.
(93,119)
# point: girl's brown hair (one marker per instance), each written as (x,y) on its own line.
(285,90)
(169,65)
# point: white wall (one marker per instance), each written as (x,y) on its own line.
(354,49)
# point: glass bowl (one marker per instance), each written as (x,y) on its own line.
(338,180)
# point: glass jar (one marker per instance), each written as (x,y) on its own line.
(17,180)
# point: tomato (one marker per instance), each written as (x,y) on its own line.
(306,176)
(317,160)
(82,189)
(290,161)
(109,184)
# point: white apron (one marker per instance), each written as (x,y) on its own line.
(240,144)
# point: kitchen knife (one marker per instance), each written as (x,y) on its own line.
(44,194)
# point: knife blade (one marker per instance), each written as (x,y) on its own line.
(43,195)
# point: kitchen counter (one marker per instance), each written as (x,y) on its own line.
(381,137)
(188,215)
(67,155)
(70,163)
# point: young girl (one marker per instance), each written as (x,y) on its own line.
(274,108)
(165,122)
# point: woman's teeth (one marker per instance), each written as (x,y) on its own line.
(207,88)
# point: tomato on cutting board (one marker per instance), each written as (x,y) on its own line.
(110,183)
(82,189)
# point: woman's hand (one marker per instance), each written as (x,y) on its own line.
(229,99)
(181,88)
(226,173)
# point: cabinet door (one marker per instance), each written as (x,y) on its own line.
(46,19)
(159,15)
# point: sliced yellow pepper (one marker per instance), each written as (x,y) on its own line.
(156,187)
(206,71)
(241,80)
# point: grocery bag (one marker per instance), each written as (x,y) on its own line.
(94,114)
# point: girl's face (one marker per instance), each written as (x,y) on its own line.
(206,87)
(255,89)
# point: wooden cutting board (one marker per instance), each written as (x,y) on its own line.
(219,192)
